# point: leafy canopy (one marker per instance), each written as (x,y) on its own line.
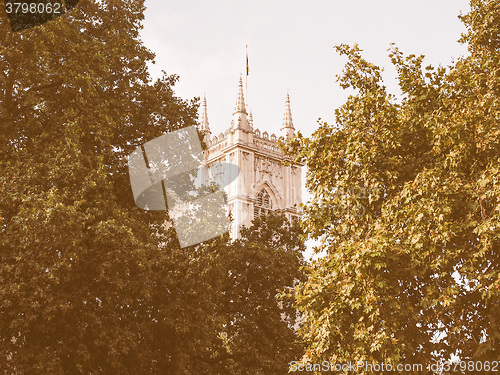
(415,275)
(88,282)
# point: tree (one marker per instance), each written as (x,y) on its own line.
(259,323)
(214,307)
(75,99)
(89,283)
(266,262)
(406,203)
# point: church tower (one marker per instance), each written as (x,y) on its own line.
(264,183)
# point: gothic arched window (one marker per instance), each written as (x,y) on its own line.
(263,204)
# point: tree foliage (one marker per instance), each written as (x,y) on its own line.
(89,283)
(261,324)
(76,98)
(415,275)
(242,324)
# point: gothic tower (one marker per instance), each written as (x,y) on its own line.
(264,183)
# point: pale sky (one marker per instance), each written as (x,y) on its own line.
(290,47)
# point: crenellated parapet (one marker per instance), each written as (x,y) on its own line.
(263,140)
(266,142)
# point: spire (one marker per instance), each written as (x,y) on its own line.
(287,128)
(204,116)
(240,101)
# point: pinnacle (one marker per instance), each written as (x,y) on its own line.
(287,119)
(240,100)
(204,115)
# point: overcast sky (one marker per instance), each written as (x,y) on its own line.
(290,47)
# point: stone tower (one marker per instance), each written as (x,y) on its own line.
(264,182)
